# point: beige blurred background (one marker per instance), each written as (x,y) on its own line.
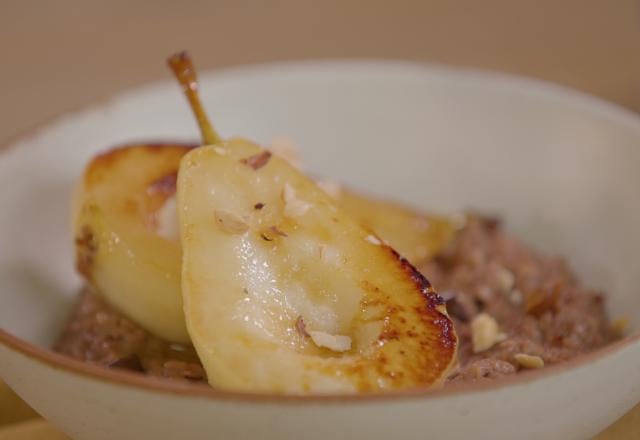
(61,55)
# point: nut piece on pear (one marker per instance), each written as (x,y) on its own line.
(123,238)
(284,291)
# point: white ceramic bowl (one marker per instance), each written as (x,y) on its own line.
(560,167)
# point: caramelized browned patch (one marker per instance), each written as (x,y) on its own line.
(86,248)
(257,161)
(102,165)
(148,190)
(417,343)
(114,154)
(420,281)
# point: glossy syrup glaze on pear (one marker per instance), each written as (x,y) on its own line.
(251,276)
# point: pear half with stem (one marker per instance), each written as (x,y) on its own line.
(286,292)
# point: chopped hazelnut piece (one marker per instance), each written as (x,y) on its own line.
(529,361)
(230,223)
(544,300)
(257,161)
(293,206)
(485,332)
(373,240)
(515,297)
(506,280)
(337,343)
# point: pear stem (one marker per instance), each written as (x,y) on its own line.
(182,67)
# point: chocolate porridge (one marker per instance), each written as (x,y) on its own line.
(99,334)
(512,308)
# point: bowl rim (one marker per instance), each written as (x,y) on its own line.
(506,81)
(162,386)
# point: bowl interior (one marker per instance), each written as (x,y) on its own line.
(559,167)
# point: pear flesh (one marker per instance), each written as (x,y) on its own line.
(118,249)
(285,292)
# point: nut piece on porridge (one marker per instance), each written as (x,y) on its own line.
(485,332)
(528,361)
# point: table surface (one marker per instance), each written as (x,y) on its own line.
(59,56)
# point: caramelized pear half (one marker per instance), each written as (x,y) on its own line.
(286,292)
(118,209)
